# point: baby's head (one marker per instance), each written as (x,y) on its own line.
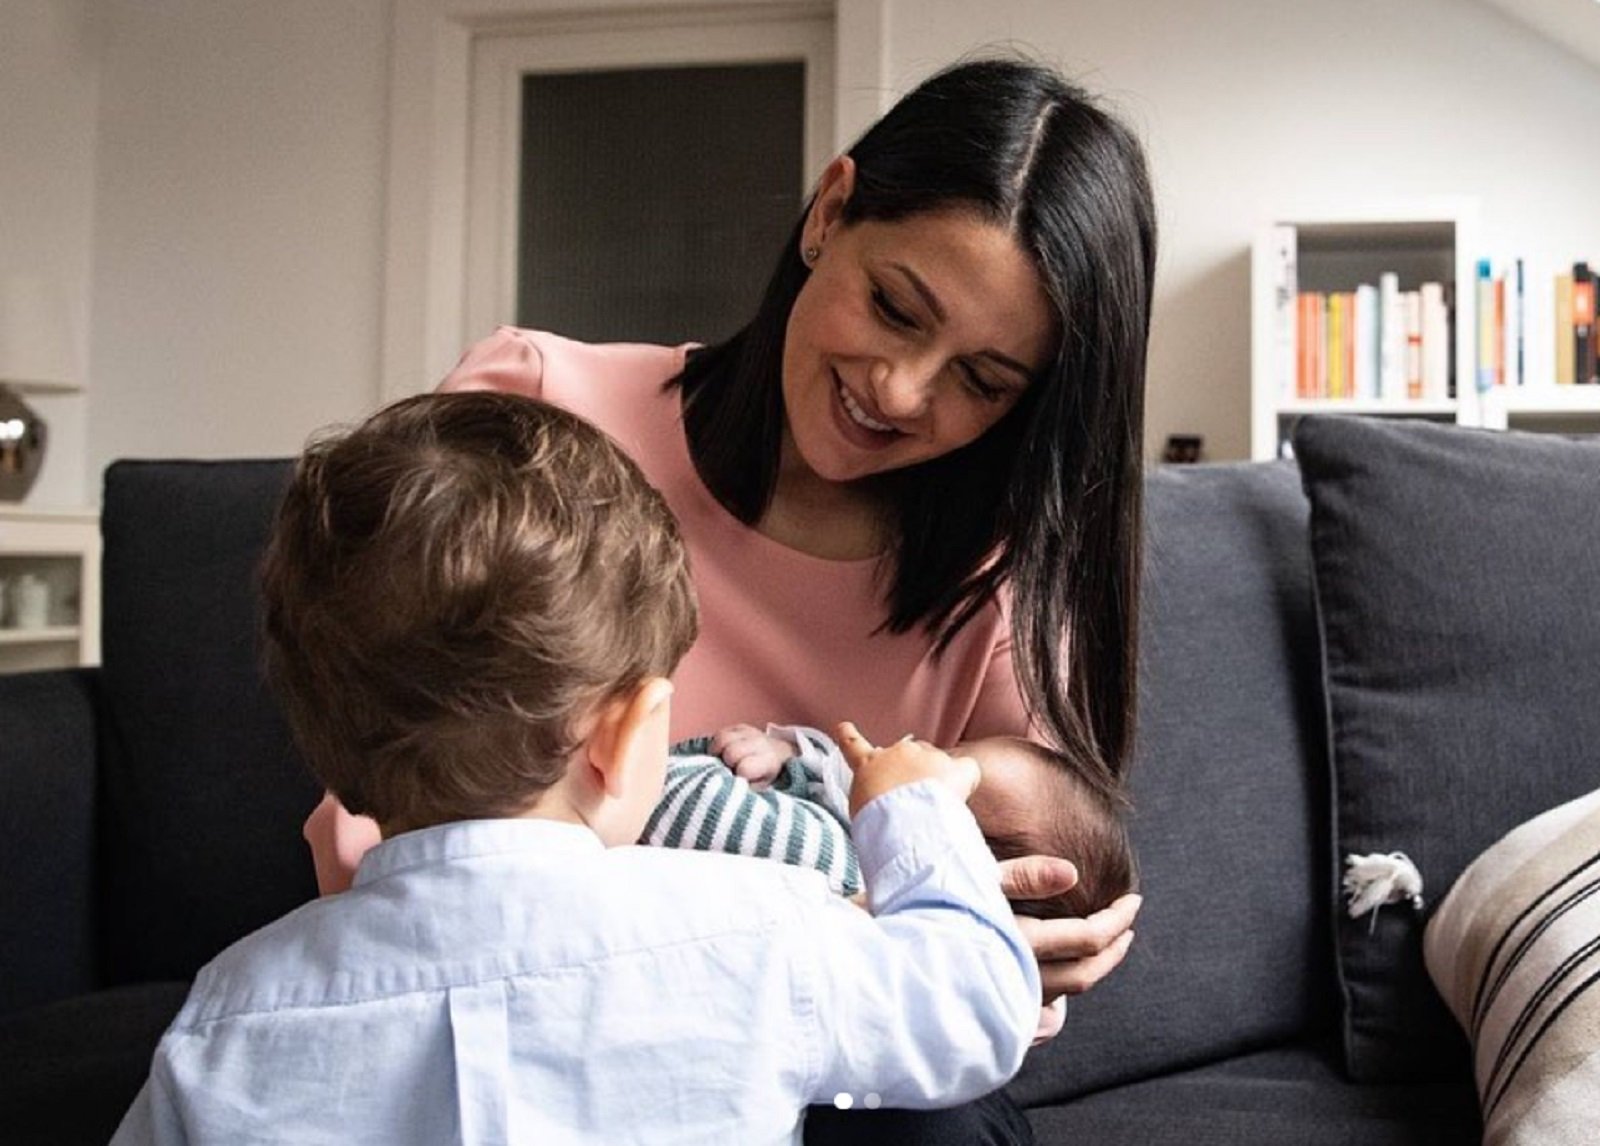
(1028,808)
(453,590)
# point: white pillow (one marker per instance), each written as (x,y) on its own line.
(1514,949)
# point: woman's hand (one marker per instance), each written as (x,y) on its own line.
(1073,954)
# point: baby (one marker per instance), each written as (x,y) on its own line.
(784,793)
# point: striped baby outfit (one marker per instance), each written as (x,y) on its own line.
(803,818)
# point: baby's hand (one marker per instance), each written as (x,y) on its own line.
(752,754)
(878,770)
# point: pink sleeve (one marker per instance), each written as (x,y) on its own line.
(338,841)
(507,360)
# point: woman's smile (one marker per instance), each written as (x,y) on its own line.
(858,415)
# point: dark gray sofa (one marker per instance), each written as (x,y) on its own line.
(151,812)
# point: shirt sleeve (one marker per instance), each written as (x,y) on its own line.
(508,360)
(931,1000)
(153,1119)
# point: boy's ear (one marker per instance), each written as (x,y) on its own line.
(629,728)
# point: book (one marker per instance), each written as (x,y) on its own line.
(1435,341)
(1515,327)
(1412,304)
(1485,331)
(1365,349)
(1391,338)
(1583,303)
(1337,383)
(1562,323)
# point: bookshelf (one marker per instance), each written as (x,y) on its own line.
(60,548)
(1432,242)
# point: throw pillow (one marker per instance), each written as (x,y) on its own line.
(1515,952)
(1456,576)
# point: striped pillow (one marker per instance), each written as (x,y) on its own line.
(1514,949)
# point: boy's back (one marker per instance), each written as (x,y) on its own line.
(472,603)
(516,981)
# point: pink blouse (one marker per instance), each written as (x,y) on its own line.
(784,636)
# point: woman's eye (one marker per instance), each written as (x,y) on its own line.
(988,391)
(892,314)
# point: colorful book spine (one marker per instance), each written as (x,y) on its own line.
(1583,333)
(1412,303)
(1565,369)
(1485,331)
(1435,341)
(1365,349)
(1391,338)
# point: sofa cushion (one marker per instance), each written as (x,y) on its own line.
(202,796)
(69,1070)
(1515,951)
(1456,579)
(47,781)
(1292,1094)
(1229,792)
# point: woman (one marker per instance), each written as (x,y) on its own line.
(911,486)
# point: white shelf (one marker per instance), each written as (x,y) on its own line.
(1389,407)
(63,547)
(1531,404)
(1338,249)
(50,635)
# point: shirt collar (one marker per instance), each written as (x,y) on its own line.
(469,839)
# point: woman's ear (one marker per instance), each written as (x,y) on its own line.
(827,205)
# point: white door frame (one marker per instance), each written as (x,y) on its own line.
(426,288)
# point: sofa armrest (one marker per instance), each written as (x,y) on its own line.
(47,818)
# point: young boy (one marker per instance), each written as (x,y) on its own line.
(783,793)
(472,605)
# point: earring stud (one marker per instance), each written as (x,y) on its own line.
(809,255)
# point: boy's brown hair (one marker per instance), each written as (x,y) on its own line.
(451,588)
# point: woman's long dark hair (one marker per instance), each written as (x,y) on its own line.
(1050,499)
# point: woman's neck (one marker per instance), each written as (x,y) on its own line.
(831,520)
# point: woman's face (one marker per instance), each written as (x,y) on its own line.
(910,339)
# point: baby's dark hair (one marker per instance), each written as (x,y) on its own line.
(1076,820)
(449,591)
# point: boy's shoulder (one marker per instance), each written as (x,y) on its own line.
(379,941)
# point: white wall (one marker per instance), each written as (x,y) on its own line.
(1253,108)
(47,128)
(239,223)
(235,257)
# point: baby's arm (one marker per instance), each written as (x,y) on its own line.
(705,806)
(789,758)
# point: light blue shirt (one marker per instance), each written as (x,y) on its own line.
(514,981)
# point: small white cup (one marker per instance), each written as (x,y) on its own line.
(30,605)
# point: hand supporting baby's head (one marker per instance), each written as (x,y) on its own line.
(1031,803)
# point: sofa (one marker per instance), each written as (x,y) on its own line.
(151,806)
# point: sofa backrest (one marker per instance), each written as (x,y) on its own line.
(202,796)
(1230,790)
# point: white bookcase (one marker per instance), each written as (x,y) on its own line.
(1337,251)
(61,548)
